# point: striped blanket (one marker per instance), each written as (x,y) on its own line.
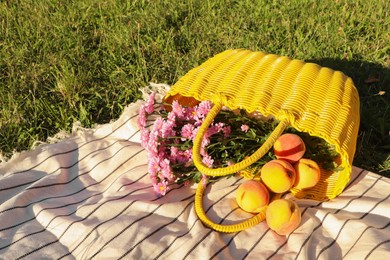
(89,196)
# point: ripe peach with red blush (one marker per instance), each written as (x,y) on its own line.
(308,173)
(289,147)
(278,176)
(283,216)
(252,196)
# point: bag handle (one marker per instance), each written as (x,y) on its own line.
(259,217)
(217,172)
(256,219)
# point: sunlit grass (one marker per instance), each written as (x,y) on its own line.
(84,61)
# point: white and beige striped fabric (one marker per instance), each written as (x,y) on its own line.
(89,197)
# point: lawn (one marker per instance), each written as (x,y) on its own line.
(68,61)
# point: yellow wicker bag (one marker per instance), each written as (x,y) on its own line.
(310,98)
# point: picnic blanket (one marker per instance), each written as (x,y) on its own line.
(89,196)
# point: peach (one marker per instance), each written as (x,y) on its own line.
(278,175)
(283,216)
(289,147)
(252,196)
(307,173)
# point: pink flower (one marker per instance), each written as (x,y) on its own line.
(177,109)
(162,152)
(145,137)
(203,151)
(161,188)
(208,160)
(244,128)
(205,142)
(149,107)
(187,132)
(141,120)
(152,145)
(204,180)
(167,129)
(194,133)
(203,109)
(174,152)
(226,131)
(212,130)
(157,126)
(166,170)
(200,112)
(178,156)
(187,155)
(145,109)
(189,114)
(153,166)
(220,126)
(171,117)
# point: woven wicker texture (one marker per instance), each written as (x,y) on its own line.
(310,98)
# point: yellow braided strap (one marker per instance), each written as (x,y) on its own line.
(224,228)
(253,221)
(266,146)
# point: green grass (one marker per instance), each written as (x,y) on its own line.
(67,61)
